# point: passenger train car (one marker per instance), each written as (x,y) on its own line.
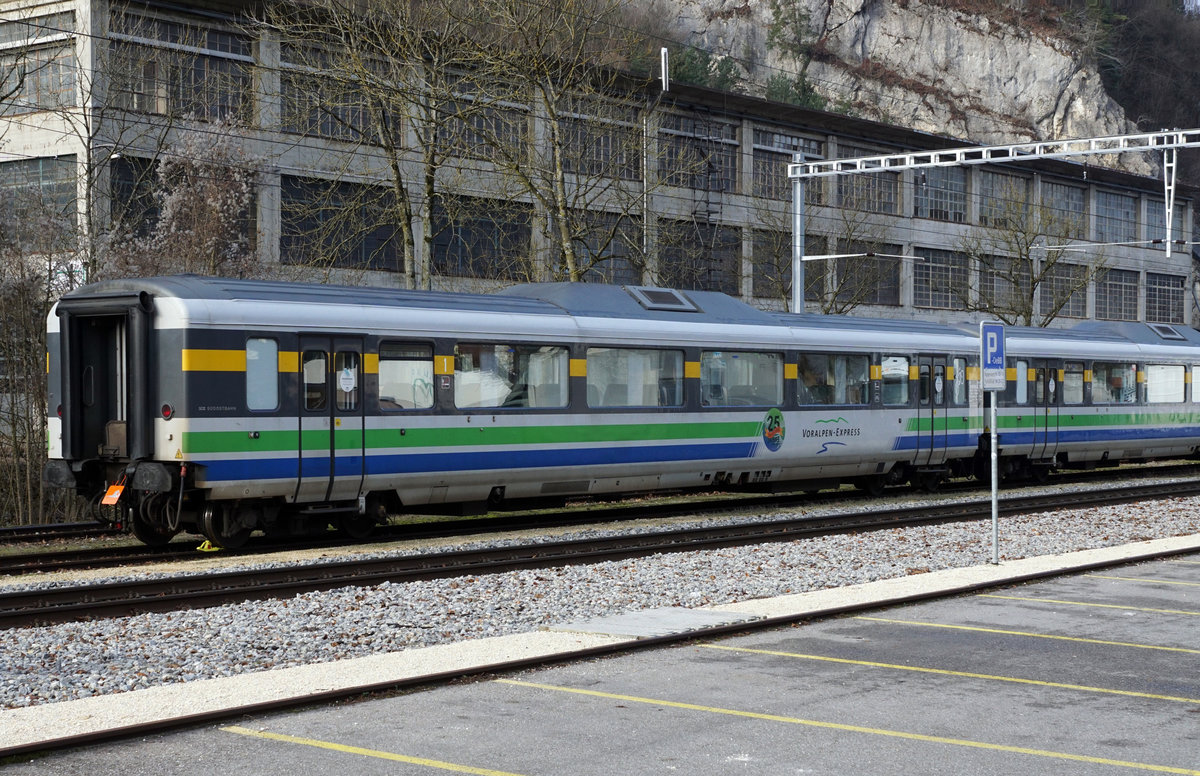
(223,406)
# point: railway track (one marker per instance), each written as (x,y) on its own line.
(14,534)
(113,599)
(47,559)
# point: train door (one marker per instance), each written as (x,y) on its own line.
(1045,387)
(931,411)
(103,395)
(332,441)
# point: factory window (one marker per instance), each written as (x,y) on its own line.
(895,380)
(176,68)
(941,194)
(698,152)
(773,152)
(1116,217)
(1117,295)
(939,279)
(826,379)
(1064,290)
(503,375)
(603,138)
(1156,223)
(405,376)
(872,192)
(700,256)
(867,279)
(1063,213)
(334,224)
(634,377)
(262,374)
(1003,199)
(731,379)
(38,79)
(481,238)
(1114,383)
(1164,298)
(1164,383)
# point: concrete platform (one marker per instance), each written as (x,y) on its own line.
(122,714)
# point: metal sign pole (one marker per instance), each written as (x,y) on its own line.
(994,380)
(995,490)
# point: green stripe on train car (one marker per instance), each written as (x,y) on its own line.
(345,439)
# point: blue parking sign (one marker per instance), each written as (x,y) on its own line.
(991,355)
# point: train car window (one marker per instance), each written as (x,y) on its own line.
(1114,383)
(405,376)
(1195,393)
(958,385)
(1072,383)
(826,379)
(1164,383)
(634,377)
(731,379)
(923,386)
(262,374)
(895,380)
(346,380)
(314,380)
(510,376)
(1021,392)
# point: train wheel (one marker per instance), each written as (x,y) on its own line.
(356,526)
(152,535)
(871,485)
(930,482)
(151,523)
(106,514)
(221,527)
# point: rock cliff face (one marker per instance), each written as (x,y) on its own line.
(924,66)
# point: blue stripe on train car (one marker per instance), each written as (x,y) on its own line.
(1115,435)
(420,463)
(962,440)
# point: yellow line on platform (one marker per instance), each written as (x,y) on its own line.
(1189,612)
(857,728)
(357,750)
(1027,634)
(961,674)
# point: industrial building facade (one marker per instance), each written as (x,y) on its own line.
(695,191)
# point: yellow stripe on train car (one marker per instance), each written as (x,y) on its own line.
(213,360)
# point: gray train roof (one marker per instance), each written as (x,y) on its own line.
(205,288)
(583,307)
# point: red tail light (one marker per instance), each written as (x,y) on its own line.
(168,411)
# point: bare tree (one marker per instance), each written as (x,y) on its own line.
(863,264)
(1024,278)
(387,84)
(565,129)
(36,241)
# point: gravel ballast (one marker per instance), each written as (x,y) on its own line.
(77,660)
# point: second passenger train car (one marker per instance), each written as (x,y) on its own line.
(224,406)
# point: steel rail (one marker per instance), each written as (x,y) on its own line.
(113,599)
(48,559)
